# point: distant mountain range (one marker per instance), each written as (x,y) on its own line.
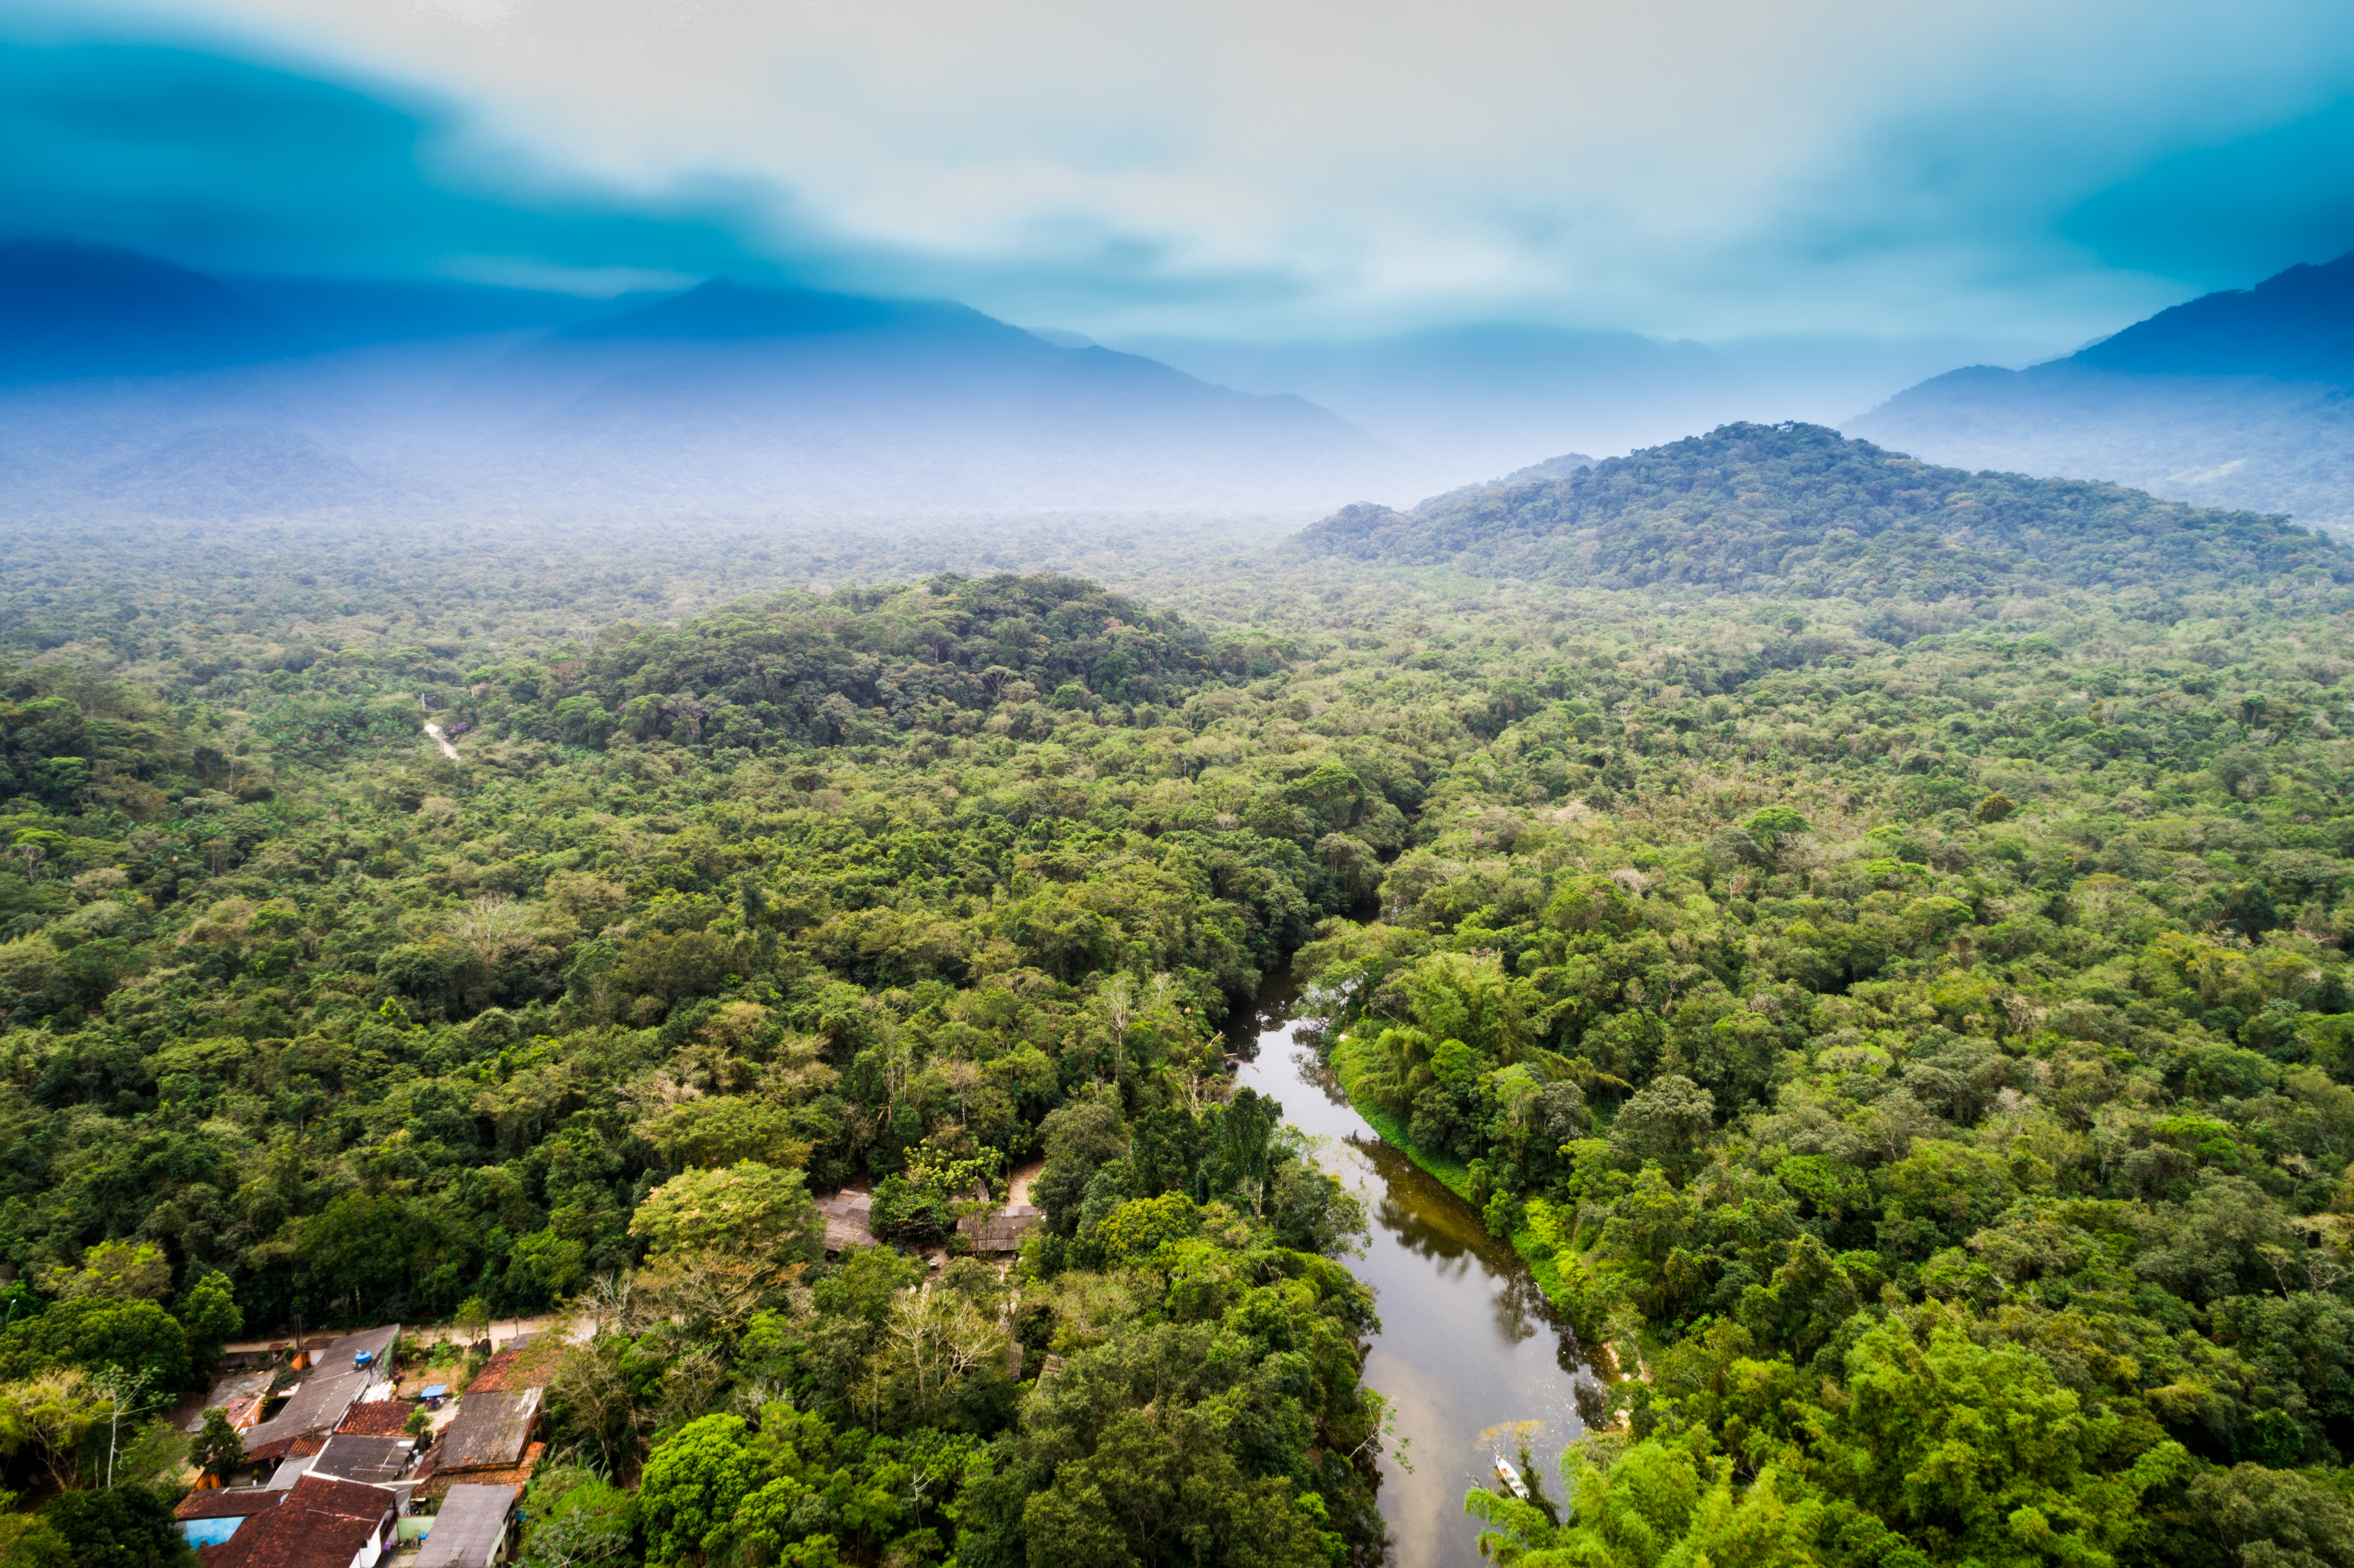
(1482,399)
(1802,510)
(87,310)
(1487,398)
(135,384)
(2237,398)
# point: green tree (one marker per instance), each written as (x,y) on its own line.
(217,1449)
(209,1314)
(100,1333)
(1657,1505)
(1977,1452)
(693,1484)
(119,1527)
(114,1271)
(1668,1119)
(1774,828)
(580,1520)
(2259,1517)
(723,1243)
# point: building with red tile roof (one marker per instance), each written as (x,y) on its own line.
(377,1418)
(319,1524)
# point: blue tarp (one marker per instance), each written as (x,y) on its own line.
(209,1531)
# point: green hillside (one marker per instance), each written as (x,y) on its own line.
(1798,509)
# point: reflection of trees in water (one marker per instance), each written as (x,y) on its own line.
(1314,1069)
(1404,1202)
(1269,1013)
(1433,1224)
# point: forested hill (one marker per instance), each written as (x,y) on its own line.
(810,671)
(1800,508)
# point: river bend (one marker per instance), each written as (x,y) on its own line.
(1467,1341)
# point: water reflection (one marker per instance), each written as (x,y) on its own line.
(1467,1341)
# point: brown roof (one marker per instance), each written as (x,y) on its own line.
(469,1528)
(350,1456)
(311,1409)
(322,1524)
(378,1418)
(1003,1230)
(491,1431)
(235,1393)
(227,1502)
(846,1216)
(527,1362)
(430,1487)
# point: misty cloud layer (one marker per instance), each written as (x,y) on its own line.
(2012,172)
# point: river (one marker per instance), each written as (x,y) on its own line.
(1466,1344)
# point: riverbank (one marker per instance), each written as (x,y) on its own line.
(1346,1058)
(1472,1356)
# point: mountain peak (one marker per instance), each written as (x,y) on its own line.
(69,309)
(2295,326)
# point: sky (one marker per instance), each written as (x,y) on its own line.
(2027,174)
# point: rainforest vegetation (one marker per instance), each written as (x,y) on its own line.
(1901,1016)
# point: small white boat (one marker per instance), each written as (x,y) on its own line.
(1511,1478)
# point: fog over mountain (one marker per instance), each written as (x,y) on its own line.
(1481,401)
(141,385)
(2236,398)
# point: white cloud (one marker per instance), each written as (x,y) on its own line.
(1289,166)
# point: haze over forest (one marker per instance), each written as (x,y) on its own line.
(815,788)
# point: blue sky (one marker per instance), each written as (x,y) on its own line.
(2017,175)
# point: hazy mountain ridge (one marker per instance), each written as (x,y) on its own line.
(2297,324)
(1751,508)
(93,310)
(724,399)
(1480,400)
(2236,398)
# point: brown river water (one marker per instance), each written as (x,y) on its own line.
(1467,1345)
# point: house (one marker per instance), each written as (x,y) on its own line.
(473,1529)
(316,1524)
(377,1418)
(491,1431)
(353,1456)
(209,1518)
(527,1361)
(347,1367)
(847,1214)
(293,1467)
(238,1394)
(312,1409)
(1003,1230)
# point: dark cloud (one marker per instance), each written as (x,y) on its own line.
(2226,215)
(239,168)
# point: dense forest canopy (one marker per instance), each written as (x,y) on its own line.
(1896,1000)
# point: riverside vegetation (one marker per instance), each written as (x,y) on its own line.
(1875,943)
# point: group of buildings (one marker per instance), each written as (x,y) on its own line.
(340,1470)
(339,1473)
